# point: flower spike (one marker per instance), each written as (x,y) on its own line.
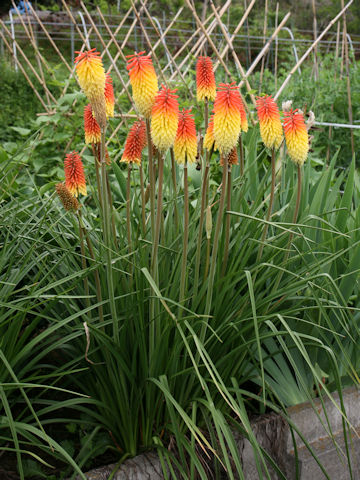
(164,120)
(185,145)
(70,203)
(143,81)
(227,117)
(74,174)
(91,127)
(269,119)
(296,136)
(205,80)
(135,142)
(91,75)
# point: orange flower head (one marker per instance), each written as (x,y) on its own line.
(205,80)
(269,119)
(227,117)
(209,139)
(91,75)
(296,136)
(135,142)
(185,145)
(143,81)
(74,174)
(109,96)
(69,201)
(164,119)
(91,127)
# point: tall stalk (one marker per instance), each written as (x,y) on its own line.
(173,176)
(213,263)
(227,222)
(97,172)
(151,179)
(241,151)
(107,238)
(128,211)
(96,272)
(294,220)
(185,237)
(142,193)
(271,202)
(204,189)
(83,260)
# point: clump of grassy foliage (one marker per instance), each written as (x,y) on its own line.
(179,377)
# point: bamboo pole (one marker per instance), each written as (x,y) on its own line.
(348,84)
(38,78)
(265,48)
(235,57)
(276,44)
(309,50)
(236,31)
(316,69)
(49,37)
(264,40)
(107,51)
(160,41)
(22,68)
(148,41)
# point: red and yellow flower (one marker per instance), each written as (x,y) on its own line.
(185,144)
(109,96)
(74,174)
(91,75)
(296,136)
(227,117)
(135,143)
(91,127)
(205,80)
(67,199)
(164,118)
(269,120)
(209,140)
(143,81)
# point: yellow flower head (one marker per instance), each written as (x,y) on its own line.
(91,75)
(227,117)
(270,124)
(164,119)
(296,136)
(185,145)
(143,81)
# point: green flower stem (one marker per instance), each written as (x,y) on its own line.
(96,272)
(142,192)
(107,239)
(151,179)
(204,189)
(173,174)
(271,202)
(97,172)
(83,260)
(242,163)
(185,238)
(227,222)
(294,220)
(128,212)
(219,220)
